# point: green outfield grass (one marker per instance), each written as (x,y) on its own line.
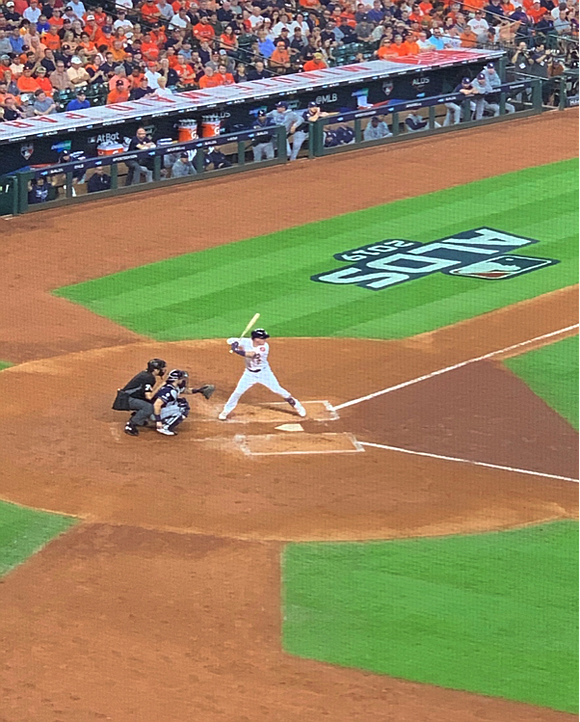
(4,365)
(492,613)
(552,373)
(210,293)
(25,531)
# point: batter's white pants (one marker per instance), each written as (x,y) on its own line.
(249,379)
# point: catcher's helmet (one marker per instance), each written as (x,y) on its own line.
(176,375)
(260,333)
(156,364)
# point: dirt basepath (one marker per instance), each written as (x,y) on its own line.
(43,251)
(134,625)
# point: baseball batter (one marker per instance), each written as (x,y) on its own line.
(255,351)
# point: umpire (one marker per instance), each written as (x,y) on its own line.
(137,395)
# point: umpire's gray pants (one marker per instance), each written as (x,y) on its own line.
(143,408)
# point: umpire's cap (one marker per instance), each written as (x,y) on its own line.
(156,364)
(260,333)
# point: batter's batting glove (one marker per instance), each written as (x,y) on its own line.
(236,349)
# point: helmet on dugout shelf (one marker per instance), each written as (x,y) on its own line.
(260,333)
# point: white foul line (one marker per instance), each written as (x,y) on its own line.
(452,368)
(468,461)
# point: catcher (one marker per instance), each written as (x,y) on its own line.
(169,408)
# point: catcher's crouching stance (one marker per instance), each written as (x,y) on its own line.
(169,408)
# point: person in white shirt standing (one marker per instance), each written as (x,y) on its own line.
(480,26)
(255,351)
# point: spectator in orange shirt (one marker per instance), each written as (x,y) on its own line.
(149,47)
(43,81)
(119,95)
(280,58)
(411,45)
(56,18)
(118,51)
(100,16)
(91,28)
(184,71)
(468,38)
(227,78)
(384,50)
(105,37)
(52,39)
(120,77)
(228,41)
(537,12)
(398,47)
(209,79)
(150,11)
(87,44)
(203,30)
(134,79)
(26,83)
(316,63)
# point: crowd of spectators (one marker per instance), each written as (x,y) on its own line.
(58,55)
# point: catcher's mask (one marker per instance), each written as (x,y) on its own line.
(156,364)
(177,375)
(260,333)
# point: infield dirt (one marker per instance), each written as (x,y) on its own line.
(118,622)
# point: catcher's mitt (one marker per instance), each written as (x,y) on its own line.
(207,390)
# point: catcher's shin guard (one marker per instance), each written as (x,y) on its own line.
(171,422)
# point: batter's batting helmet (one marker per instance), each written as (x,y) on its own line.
(260,333)
(156,364)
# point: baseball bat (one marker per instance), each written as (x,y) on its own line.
(253,320)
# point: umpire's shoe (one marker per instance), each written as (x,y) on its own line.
(131,430)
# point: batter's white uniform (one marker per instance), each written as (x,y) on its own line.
(258,371)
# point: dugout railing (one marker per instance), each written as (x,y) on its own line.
(69,183)
(233,153)
(339,133)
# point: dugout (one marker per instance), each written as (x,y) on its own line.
(39,141)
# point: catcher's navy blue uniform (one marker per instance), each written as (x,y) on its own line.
(175,409)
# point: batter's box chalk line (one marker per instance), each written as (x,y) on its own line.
(330,412)
(513,469)
(244,442)
(445,370)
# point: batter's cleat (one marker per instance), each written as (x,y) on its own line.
(223,416)
(131,430)
(165,431)
(300,409)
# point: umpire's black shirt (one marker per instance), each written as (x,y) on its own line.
(136,388)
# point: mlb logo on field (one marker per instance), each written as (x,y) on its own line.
(496,269)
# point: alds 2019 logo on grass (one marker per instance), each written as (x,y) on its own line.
(480,253)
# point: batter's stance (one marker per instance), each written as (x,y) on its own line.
(255,351)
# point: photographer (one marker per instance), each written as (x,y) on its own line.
(522,59)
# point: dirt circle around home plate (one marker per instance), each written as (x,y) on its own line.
(266,473)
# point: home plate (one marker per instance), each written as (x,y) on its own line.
(289,443)
(290,427)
